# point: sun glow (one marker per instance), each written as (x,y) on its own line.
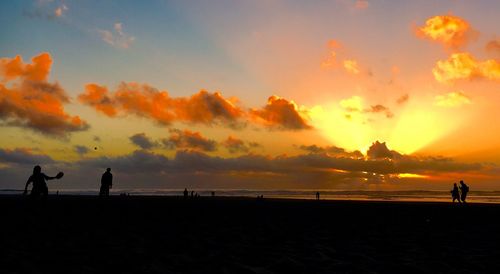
(408,131)
(411,175)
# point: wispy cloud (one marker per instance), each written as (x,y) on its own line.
(117,37)
(47,9)
(361,4)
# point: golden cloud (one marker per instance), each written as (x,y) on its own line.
(465,66)
(280,113)
(351,66)
(28,100)
(449,30)
(452,99)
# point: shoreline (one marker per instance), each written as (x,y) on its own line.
(267,198)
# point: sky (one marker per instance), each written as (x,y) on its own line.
(339,94)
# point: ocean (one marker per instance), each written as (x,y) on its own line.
(413,196)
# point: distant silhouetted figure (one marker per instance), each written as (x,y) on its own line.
(213,193)
(106,183)
(317,195)
(192,193)
(455,195)
(186,193)
(39,185)
(464,189)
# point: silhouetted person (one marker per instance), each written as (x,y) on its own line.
(464,189)
(192,193)
(317,195)
(39,185)
(213,193)
(185,193)
(455,195)
(106,182)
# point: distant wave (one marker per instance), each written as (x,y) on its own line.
(414,195)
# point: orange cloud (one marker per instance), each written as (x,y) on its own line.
(493,46)
(281,114)
(449,30)
(146,101)
(96,96)
(361,4)
(28,100)
(38,70)
(465,66)
(186,139)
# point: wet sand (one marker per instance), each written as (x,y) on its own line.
(78,234)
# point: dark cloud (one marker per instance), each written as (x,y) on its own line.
(198,162)
(235,145)
(355,104)
(143,141)
(23,156)
(82,150)
(32,102)
(186,139)
(403,99)
(280,113)
(379,151)
(144,168)
(331,150)
(380,109)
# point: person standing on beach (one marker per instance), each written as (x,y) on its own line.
(464,189)
(39,185)
(455,195)
(317,195)
(106,183)
(185,193)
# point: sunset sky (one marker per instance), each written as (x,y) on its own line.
(339,94)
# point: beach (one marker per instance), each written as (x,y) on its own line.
(84,234)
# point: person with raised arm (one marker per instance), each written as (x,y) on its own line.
(39,184)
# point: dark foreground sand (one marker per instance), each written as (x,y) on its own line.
(236,235)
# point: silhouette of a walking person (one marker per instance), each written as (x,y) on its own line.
(317,195)
(39,185)
(185,193)
(455,195)
(464,189)
(106,182)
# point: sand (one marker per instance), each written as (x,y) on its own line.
(78,234)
